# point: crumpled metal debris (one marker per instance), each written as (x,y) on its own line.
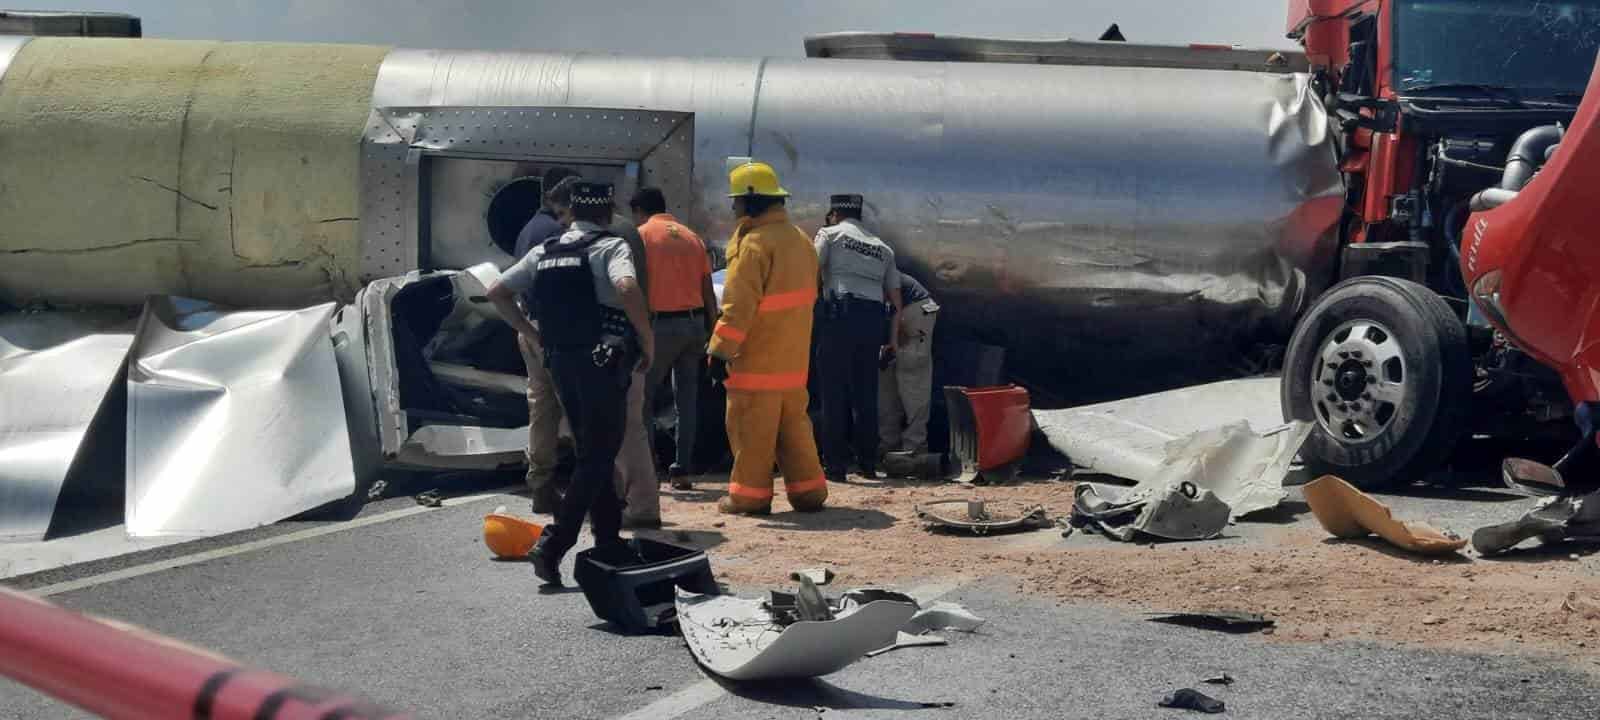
(1221,621)
(1346,512)
(1175,512)
(1223,679)
(943,616)
(428,498)
(1552,520)
(58,373)
(740,639)
(977,517)
(235,419)
(907,640)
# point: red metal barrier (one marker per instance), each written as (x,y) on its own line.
(121,672)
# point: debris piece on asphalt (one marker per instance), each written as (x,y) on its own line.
(1191,699)
(943,616)
(739,639)
(1181,511)
(906,640)
(379,487)
(428,499)
(652,688)
(1553,520)
(1222,621)
(818,576)
(979,518)
(1348,513)
(1223,679)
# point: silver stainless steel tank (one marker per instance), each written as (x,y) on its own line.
(1112,226)
(1108,224)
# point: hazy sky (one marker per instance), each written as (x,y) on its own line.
(686,27)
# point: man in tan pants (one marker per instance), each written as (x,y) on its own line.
(546,422)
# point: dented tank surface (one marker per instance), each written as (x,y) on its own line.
(1163,217)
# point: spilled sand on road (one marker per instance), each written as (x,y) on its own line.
(1316,588)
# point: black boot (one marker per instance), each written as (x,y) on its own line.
(546,559)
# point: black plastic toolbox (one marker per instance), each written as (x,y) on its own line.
(631,584)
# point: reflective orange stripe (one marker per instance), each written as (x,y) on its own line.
(787,301)
(750,492)
(805,486)
(766,381)
(729,332)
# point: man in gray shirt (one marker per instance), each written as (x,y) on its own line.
(855,332)
(594,329)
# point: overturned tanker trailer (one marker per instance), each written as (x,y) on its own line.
(1118,225)
(1161,212)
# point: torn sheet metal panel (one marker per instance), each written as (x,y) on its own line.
(1128,438)
(56,371)
(1241,468)
(235,419)
(738,639)
(1346,512)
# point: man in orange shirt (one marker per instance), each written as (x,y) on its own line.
(684,306)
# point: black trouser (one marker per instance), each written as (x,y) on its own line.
(596,402)
(848,340)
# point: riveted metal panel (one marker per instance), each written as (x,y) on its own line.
(406,230)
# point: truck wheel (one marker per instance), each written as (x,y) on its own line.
(1382,368)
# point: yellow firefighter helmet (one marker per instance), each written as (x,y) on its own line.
(755,178)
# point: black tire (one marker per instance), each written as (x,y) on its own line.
(1433,393)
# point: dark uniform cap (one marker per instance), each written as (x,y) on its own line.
(591,194)
(845,202)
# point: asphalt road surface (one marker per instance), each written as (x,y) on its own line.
(403,607)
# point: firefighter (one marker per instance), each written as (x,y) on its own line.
(594,331)
(905,387)
(544,410)
(759,349)
(858,333)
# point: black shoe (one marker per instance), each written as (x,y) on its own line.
(679,477)
(546,565)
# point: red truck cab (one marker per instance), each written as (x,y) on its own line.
(1437,102)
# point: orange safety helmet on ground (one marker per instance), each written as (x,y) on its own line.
(508,536)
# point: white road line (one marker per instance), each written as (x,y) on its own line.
(253,546)
(706,692)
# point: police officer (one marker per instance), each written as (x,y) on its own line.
(594,330)
(906,387)
(860,309)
